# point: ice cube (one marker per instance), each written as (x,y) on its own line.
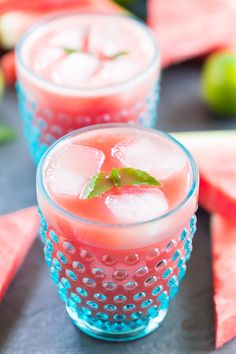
(101,38)
(69,38)
(113,72)
(108,37)
(138,204)
(121,68)
(70,168)
(158,157)
(75,68)
(46,57)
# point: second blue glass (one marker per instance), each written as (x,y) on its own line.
(76,70)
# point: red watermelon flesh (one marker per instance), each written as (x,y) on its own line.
(7,63)
(215,152)
(190,28)
(17,233)
(223,234)
(18,16)
(56,5)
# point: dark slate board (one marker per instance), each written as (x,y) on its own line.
(32,317)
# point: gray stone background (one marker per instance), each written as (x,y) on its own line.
(32,317)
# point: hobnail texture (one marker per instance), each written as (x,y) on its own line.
(116,295)
(42,126)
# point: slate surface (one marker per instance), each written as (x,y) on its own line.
(33,319)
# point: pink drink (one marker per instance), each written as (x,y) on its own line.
(81,69)
(118,258)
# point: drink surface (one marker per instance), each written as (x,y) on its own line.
(89,51)
(70,165)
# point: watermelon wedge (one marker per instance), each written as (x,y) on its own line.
(215,152)
(17,233)
(17,16)
(52,5)
(7,63)
(181,27)
(223,234)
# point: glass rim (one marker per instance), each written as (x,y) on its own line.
(86,92)
(189,194)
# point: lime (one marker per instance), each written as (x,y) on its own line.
(219,82)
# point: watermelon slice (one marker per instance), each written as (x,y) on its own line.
(223,234)
(181,27)
(215,152)
(52,5)
(7,62)
(17,233)
(17,16)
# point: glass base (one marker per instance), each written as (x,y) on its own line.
(114,335)
(116,310)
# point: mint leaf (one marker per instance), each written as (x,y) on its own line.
(97,185)
(70,50)
(115,177)
(118,54)
(118,177)
(6,134)
(131,177)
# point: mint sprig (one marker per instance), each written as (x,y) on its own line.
(117,55)
(97,185)
(130,177)
(115,177)
(119,177)
(70,50)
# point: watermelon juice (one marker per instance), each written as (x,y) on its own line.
(75,70)
(117,254)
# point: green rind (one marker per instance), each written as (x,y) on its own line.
(194,138)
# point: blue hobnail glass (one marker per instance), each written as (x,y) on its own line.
(49,111)
(117,294)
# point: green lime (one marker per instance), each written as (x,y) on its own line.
(219,82)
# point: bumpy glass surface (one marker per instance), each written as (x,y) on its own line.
(42,126)
(116,295)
